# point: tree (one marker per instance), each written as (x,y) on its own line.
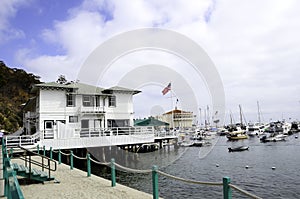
(61,79)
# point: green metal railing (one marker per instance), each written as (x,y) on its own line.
(12,188)
(225,183)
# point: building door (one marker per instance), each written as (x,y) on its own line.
(84,128)
(49,129)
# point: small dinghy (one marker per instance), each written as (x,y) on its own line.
(240,148)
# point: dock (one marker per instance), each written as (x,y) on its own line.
(75,184)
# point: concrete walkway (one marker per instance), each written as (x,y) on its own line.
(75,184)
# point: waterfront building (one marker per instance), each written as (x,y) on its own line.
(178,118)
(77,106)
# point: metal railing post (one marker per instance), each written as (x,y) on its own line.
(11,152)
(71,160)
(226,188)
(88,165)
(38,149)
(113,172)
(51,153)
(59,157)
(155,182)
(5,174)
(44,150)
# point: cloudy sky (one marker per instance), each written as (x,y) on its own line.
(254,45)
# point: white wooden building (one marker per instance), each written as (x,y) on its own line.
(77,106)
(77,115)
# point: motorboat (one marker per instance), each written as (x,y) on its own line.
(255,130)
(186,144)
(237,135)
(240,148)
(273,138)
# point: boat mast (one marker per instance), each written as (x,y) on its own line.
(200,118)
(208,117)
(241,115)
(230,118)
(258,111)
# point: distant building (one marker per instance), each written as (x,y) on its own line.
(178,118)
(151,121)
(77,107)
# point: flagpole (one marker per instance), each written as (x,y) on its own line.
(172,121)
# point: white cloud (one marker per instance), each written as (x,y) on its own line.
(8,9)
(254,44)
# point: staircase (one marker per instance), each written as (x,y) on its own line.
(34,174)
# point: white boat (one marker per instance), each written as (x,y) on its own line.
(255,129)
(273,138)
(237,135)
(186,144)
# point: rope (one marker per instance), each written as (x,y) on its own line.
(81,158)
(190,181)
(103,163)
(244,192)
(65,153)
(133,170)
(55,151)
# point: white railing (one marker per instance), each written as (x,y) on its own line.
(113,135)
(22,140)
(115,131)
(91,109)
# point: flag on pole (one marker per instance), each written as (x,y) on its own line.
(167,89)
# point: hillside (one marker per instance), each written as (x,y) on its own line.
(15,85)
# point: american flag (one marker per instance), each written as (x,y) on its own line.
(167,89)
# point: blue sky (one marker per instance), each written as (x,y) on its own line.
(30,19)
(255,44)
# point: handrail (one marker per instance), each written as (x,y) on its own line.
(12,188)
(29,160)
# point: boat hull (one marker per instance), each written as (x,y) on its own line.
(238,149)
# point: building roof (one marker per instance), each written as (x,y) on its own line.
(81,88)
(178,111)
(119,88)
(150,122)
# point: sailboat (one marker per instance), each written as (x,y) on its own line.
(239,133)
(258,128)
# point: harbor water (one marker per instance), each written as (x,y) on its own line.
(268,170)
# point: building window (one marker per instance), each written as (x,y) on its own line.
(112,101)
(84,124)
(97,101)
(71,100)
(73,119)
(48,124)
(88,100)
(117,123)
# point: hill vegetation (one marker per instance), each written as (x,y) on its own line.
(15,85)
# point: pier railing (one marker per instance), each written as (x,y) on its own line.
(225,183)
(58,135)
(12,188)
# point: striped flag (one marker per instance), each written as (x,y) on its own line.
(167,89)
